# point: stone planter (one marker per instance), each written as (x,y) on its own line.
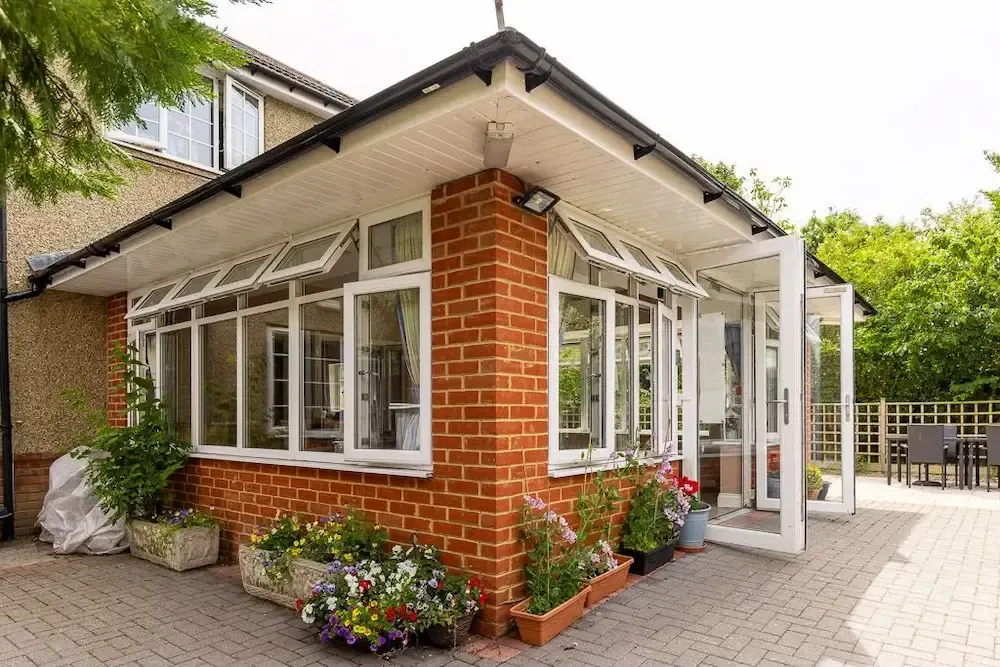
(538,630)
(609,582)
(257,583)
(176,548)
(693,530)
(647,561)
(305,574)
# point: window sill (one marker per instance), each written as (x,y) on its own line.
(321,465)
(558,472)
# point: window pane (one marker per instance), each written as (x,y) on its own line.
(675,271)
(387,346)
(218,377)
(242,271)
(641,258)
(226,304)
(345,270)
(266,295)
(265,379)
(176,316)
(581,376)
(189,132)
(395,241)
(323,376)
(647,351)
(148,354)
(196,284)
(244,141)
(176,389)
(624,381)
(597,240)
(156,296)
(304,253)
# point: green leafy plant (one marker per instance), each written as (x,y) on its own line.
(129,468)
(349,538)
(655,514)
(553,570)
(282,540)
(814,477)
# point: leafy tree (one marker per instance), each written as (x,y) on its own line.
(767,196)
(817,229)
(71,68)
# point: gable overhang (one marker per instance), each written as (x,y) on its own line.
(427,130)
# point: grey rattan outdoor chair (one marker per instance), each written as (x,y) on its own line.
(992,452)
(929,444)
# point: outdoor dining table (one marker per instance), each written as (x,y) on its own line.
(967,444)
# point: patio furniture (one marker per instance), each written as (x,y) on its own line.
(929,444)
(992,452)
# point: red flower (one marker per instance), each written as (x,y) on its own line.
(365,585)
(412,616)
(689,486)
(298,606)
(475,583)
(482,599)
(390,614)
(440,585)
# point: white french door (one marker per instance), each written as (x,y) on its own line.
(829,339)
(776,265)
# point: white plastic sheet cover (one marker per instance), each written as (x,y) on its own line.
(71,517)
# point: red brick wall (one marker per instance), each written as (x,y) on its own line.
(31,481)
(117,334)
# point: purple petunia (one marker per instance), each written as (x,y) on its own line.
(351,639)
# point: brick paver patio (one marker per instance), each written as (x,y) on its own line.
(912,579)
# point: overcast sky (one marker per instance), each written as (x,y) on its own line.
(880,106)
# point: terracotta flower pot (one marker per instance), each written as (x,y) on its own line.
(607,583)
(538,630)
(812,494)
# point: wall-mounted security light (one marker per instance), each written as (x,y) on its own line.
(537,200)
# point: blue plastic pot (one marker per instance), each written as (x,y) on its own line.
(693,530)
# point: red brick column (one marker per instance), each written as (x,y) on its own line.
(117,334)
(489,369)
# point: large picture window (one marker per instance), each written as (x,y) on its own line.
(316,369)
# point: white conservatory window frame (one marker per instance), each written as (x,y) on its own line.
(337,246)
(138,310)
(420,205)
(231,85)
(423,456)
(570,459)
(573,218)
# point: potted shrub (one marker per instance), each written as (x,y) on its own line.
(446,604)
(180,540)
(604,571)
(128,468)
(371,606)
(814,481)
(265,563)
(692,537)
(653,522)
(556,590)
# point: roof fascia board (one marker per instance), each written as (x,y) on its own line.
(277,88)
(441,102)
(553,104)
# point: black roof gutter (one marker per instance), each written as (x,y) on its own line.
(478,58)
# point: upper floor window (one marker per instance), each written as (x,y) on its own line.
(196,131)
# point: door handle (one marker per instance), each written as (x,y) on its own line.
(848,407)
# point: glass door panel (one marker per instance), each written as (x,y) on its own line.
(734,404)
(829,396)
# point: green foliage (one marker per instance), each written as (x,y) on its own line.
(553,569)
(129,468)
(767,195)
(71,68)
(646,526)
(814,477)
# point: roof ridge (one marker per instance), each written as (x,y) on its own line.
(286,71)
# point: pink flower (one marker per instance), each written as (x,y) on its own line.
(534,502)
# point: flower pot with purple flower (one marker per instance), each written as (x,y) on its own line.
(655,517)
(180,539)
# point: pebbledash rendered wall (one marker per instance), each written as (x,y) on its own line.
(489,409)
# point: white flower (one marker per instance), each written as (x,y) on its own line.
(396,550)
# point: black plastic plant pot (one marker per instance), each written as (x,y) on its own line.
(644,562)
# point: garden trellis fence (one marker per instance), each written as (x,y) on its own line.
(879,427)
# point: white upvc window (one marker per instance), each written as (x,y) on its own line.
(315,252)
(387,325)
(581,372)
(188,133)
(244,124)
(153,299)
(396,240)
(608,246)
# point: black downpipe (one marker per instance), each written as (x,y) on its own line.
(6,424)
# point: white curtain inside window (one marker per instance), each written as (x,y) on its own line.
(562,256)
